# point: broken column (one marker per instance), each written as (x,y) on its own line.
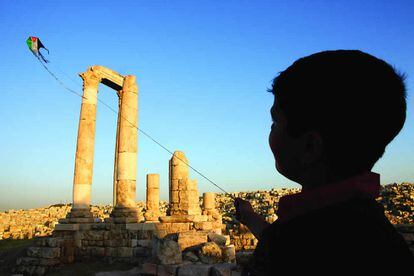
(209,209)
(82,181)
(209,201)
(153,197)
(126,169)
(183,191)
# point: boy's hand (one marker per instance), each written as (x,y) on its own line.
(244,210)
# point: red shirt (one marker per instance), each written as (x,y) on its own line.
(363,186)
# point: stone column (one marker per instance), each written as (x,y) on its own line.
(183,191)
(126,173)
(209,201)
(153,197)
(116,152)
(82,181)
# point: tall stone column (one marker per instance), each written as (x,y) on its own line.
(82,181)
(153,197)
(116,152)
(126,169)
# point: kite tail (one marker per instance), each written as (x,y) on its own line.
(43,58)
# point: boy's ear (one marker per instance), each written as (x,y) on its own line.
(313,147)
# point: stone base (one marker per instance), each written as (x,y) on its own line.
(78,215)
(125,215)
(152,215)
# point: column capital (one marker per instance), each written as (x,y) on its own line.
(90,78)
(130,84)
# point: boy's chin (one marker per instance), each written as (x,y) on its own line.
(286,173)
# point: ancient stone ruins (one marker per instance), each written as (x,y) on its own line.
(127,234)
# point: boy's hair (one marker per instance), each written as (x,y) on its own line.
(356,101)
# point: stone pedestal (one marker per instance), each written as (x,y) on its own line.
(125,215)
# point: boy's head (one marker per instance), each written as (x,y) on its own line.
(334,114)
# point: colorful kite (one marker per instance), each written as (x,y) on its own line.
(35,45)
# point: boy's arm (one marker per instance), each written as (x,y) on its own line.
(246,215)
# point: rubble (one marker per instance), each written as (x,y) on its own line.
(398,202)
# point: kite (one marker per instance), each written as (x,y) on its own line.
(35,44)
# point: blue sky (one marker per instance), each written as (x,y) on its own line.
(202,67)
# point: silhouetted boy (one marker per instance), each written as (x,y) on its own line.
(333,115)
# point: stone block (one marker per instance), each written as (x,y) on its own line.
(175,196)
(194,269)
(196,210)
(50,252)
(243,257)
(54,242)
(167,270)
(198,218)
(210,253)
(191,238)
(34,251)
(94,235)
(206,225)
(144,243)
(167,251)
(220,240)
(222,269)
(116,242)
(99,226)
(179,227)
(141,252)
(182,184)
(111,252)
(161,233)
(149,269)
(142,226)
(151,216)
(229,254)
(174,185)
(190,256)
(68,252)
(192,186)
(95,251)
(67,227)
(26,261)
(147,235)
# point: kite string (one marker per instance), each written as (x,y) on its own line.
(58,80)
(140,130)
